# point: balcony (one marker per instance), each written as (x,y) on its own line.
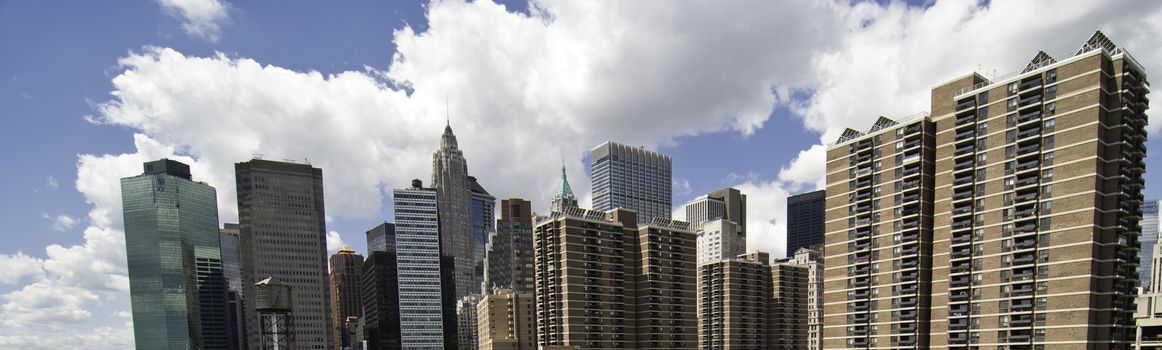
(1031,148)
(961,267)
(958,310)
(963,165)
(1028,133)
(1030,84)
(966,118)
(1029,116)
(1029,100)
(966,104)
(964,149)
(965,134)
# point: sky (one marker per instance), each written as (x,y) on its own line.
(739,93)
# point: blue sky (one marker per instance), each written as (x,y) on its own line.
(738,93)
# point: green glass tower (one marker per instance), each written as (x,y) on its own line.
(176,284)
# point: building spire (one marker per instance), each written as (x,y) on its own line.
(563,196)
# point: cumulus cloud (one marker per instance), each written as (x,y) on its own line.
(334,242)
(18,266)
(200,18)
(808,168)
(61,222)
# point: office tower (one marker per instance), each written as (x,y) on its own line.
(878,240)
(377,238)
(585,273)
(283,235)
(733,302)
(1149,239)
(631,178)
(719,239)
(345,290)
(176,286)
(232,271)
(510,249)
(666,290)
(787,310)
(420,265)
(380,294)
(1149,313)
(727,203)
(812,260)
(467,319)
(805,220)
(505,321)
(451,183)
(483,225)
(563,195)
(1039,180)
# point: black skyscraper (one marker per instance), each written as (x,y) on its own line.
(805,220)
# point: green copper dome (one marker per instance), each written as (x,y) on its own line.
(564,191)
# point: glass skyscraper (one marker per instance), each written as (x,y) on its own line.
(176,284)
(483,225)
(631,178)
(1149,238)
(417,242)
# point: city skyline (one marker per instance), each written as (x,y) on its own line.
(748,97)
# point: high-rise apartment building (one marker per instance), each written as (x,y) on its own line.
(176,286)
(812,260)
(1039,181)
(733,302)
(380,294)
(380,237)
(787,311)
(422,270)
(805,220)
(346,300)
(466,320)
(283,235)
(719,239)
(483,225)
(631,178)
(505,321)
(510,249)
(878,240)
(1149,239)
(602,282)
(453,187)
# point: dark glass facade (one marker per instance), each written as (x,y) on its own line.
(805,220)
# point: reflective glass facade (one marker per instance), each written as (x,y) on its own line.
(417,242)
(176,284)
(631,178)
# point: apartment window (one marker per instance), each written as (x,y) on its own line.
(1046,207)
(1049,141)
(980,189)
(981,158)
(1048,158)
(899,131)
(1012,88)
(984,97)
(1008,198)
(1047,174)
(982,143)
(983,126)
(1008,183)
(1011,121)
(983,112)
(1051,75)
(980,173)
(1010,136)
(1046,190)
(899,144)
(1049,124)
(1051,108)
(1051,92)
(1012,104)
(1010,151)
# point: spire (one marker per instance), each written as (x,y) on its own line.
(563,196)
(448,139)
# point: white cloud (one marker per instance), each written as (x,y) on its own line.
(46,301)
(334,242)
(51,183)
(808,168)
(61,222)
(766,216)
(200,18)
(18,266)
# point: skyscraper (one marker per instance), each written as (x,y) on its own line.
(666,295)
(345,291)
(1039,185)
(727,203)
(450,180)
(505,320)
(380,237)
(483,225)
(380,294)
(747,303)
(719,239)
(420,265)
(1149,239)
(812,260)
(805,220)
(878,237)
(631,178)
(510,249)
(787,311)
(232,271)
(283,235)
(563,195)
(176,286)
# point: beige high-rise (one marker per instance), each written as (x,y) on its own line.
(1039,192)
(1037,183)
(878,239)
(747,303)
(505,321)
(787,310)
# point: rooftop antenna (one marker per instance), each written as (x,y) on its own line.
(447,112)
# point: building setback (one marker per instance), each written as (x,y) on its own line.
(505,321)
(346,302)
(451,183)
(176,286)
(422,271)
(483,225)
(510,248)
(283,235)
(878,240)
(1039,187)
(631,178)
(805,220)
(380,295)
